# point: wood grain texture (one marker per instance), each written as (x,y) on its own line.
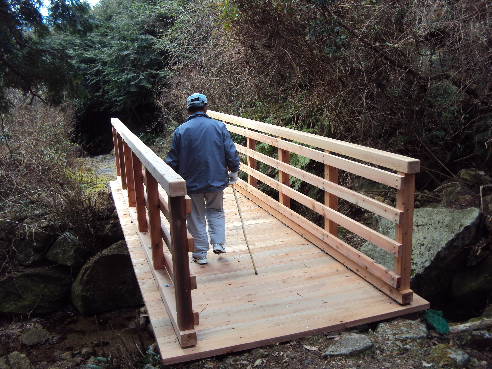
(173,183)
(363,170)
(383,158)
(300,290)
(356,198)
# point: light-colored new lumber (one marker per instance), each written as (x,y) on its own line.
(363,170)
(173,183)
(356,198)
(363,231)
(350,255)
(165,285)
(121,156)
(379,157)
(130,182)
(251,144)
(305,293)
(139,194)
(331,174)
(405,202)
(284,178)
(154,221)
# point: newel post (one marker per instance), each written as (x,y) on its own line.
(284,178)
(251,144)
(179,246)
(154,221)
(405,203)
(331,174)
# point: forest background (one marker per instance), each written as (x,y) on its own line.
(411,77)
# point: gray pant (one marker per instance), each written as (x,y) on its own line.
(208,211)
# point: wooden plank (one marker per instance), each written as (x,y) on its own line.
(172,182)
(116,152)
(163,283)
(154,221)
(381,277)
(284,178)
(242,311)
(251,144)
(186,338)
(130,182)
(356,198)
(405,202)
(139,194)
(121,156)
(375,174)
(331,174)
(181,264)
(379,157)
(367,233)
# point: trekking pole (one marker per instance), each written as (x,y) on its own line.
(244,230)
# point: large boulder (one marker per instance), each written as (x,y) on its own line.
(68,250)
(443,251)
(106,282)
(435,229)
(39,290)
(33,239)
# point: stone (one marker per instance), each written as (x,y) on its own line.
(475,281)
(38,290)
(443,245)
(349,344)
(107,282)
(34,336)
(68,250)
(15,360)
(36,236)
(447,356)
(402,329)
(434,229)
(86,352)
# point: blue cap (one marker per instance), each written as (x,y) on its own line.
(196,100)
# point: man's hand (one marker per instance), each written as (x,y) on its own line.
(233,177)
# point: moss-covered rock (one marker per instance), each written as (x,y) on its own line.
(68,250)
(447,356)
(106,282)
(476,280)
(39,290)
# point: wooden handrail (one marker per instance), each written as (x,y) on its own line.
(356,198)
(395,283)
(375,174)
(171,182)
(145,175)
(385,159)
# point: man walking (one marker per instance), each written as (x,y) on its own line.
(202,152)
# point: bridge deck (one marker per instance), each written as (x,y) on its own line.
(299,291)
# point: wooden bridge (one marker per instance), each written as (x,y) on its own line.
(309,279)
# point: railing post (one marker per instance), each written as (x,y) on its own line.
(284,178)
(154,221)
(130,183)
(139,194)
(116,152)
(331,174)
(405,202)
(251,144)
(182,285)
(121,157)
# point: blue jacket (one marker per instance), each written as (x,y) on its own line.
(202,152)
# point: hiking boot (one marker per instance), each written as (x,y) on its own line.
(200,260)
(218,248)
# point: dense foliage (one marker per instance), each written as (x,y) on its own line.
(409,77)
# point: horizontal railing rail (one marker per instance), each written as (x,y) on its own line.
(154,188)
(400,176)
